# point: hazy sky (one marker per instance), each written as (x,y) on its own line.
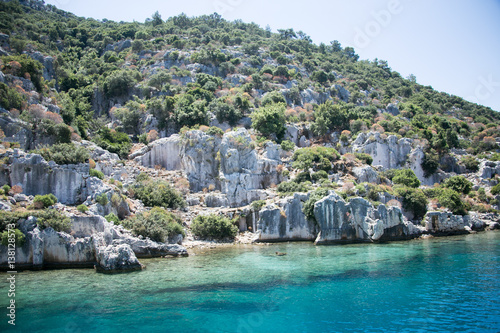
(452,45)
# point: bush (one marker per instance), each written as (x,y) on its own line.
(319,175)
(157,224)
(213,226)
(495,189)
(302,177)
(314,197)
(111,217)
(6,188)
(430,163)
(471,163)
(102,199)
(96,173)
(82,208)
(318,158)
(159,193)
(64,153)
(364,158)
(451,200)
(44,201)
(414,200)
(53,219)
(118,83)
(257,205)
(459,184)
(270,120)
(291,187)
(406,177)
(287,145)
(114,142)
(18,236)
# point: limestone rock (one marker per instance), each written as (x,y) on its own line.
(389,152)
(365,174)
(358,220)
(216,200)
(165,152)
(286,223)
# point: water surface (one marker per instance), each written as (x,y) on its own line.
(442,284)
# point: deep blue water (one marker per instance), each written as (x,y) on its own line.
(442,285)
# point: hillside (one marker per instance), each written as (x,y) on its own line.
(170,127)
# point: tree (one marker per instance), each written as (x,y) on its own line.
(270,120)
(406,177)
(459,184)
(157,19)
(274,97)
(329,116)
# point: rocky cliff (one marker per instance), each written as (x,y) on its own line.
(92,242)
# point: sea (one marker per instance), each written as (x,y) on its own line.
(447,284)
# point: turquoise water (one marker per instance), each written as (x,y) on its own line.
(446,284)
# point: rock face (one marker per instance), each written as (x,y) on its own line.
(286,223)
(165,152)
(93,242)
(358,220)
(243,174)
(447,223)
(230,164)
(415,163)
(389,152)
(200,161)
(365,174)
(15,130)
(67,182)
(488,169)
(337,221)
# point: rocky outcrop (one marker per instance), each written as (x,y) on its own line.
(389,152)
(287,222)
(92,242)
(365,174)
(447,223)
(358,220)
(15,130)
(243,174)
(415,163)
(165,152)
(200,160)
(488,169)
(37,176)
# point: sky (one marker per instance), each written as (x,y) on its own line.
(451,45)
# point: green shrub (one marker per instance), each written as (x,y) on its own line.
(96,173)
(213,130)
(495,189)
(213,226)
(257,205)
(287,188)
(53,219)
(287,145)
(102,199)
(318,158)
(111,217)
(6,188)
(406,177)
(157,224)
(364,158)
(430,163)
(46,200)
(302,177)
(64,153)
(314,197)
(270,120)
(18,236)
(159,193)
(451,200)
(319,175)
(113,141)
(10,98)
(471,163)
(82,208)
(414,200)
(459,184)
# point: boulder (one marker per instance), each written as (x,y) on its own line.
(389,152)
(365,174)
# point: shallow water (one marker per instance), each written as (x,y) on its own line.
(441,284)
